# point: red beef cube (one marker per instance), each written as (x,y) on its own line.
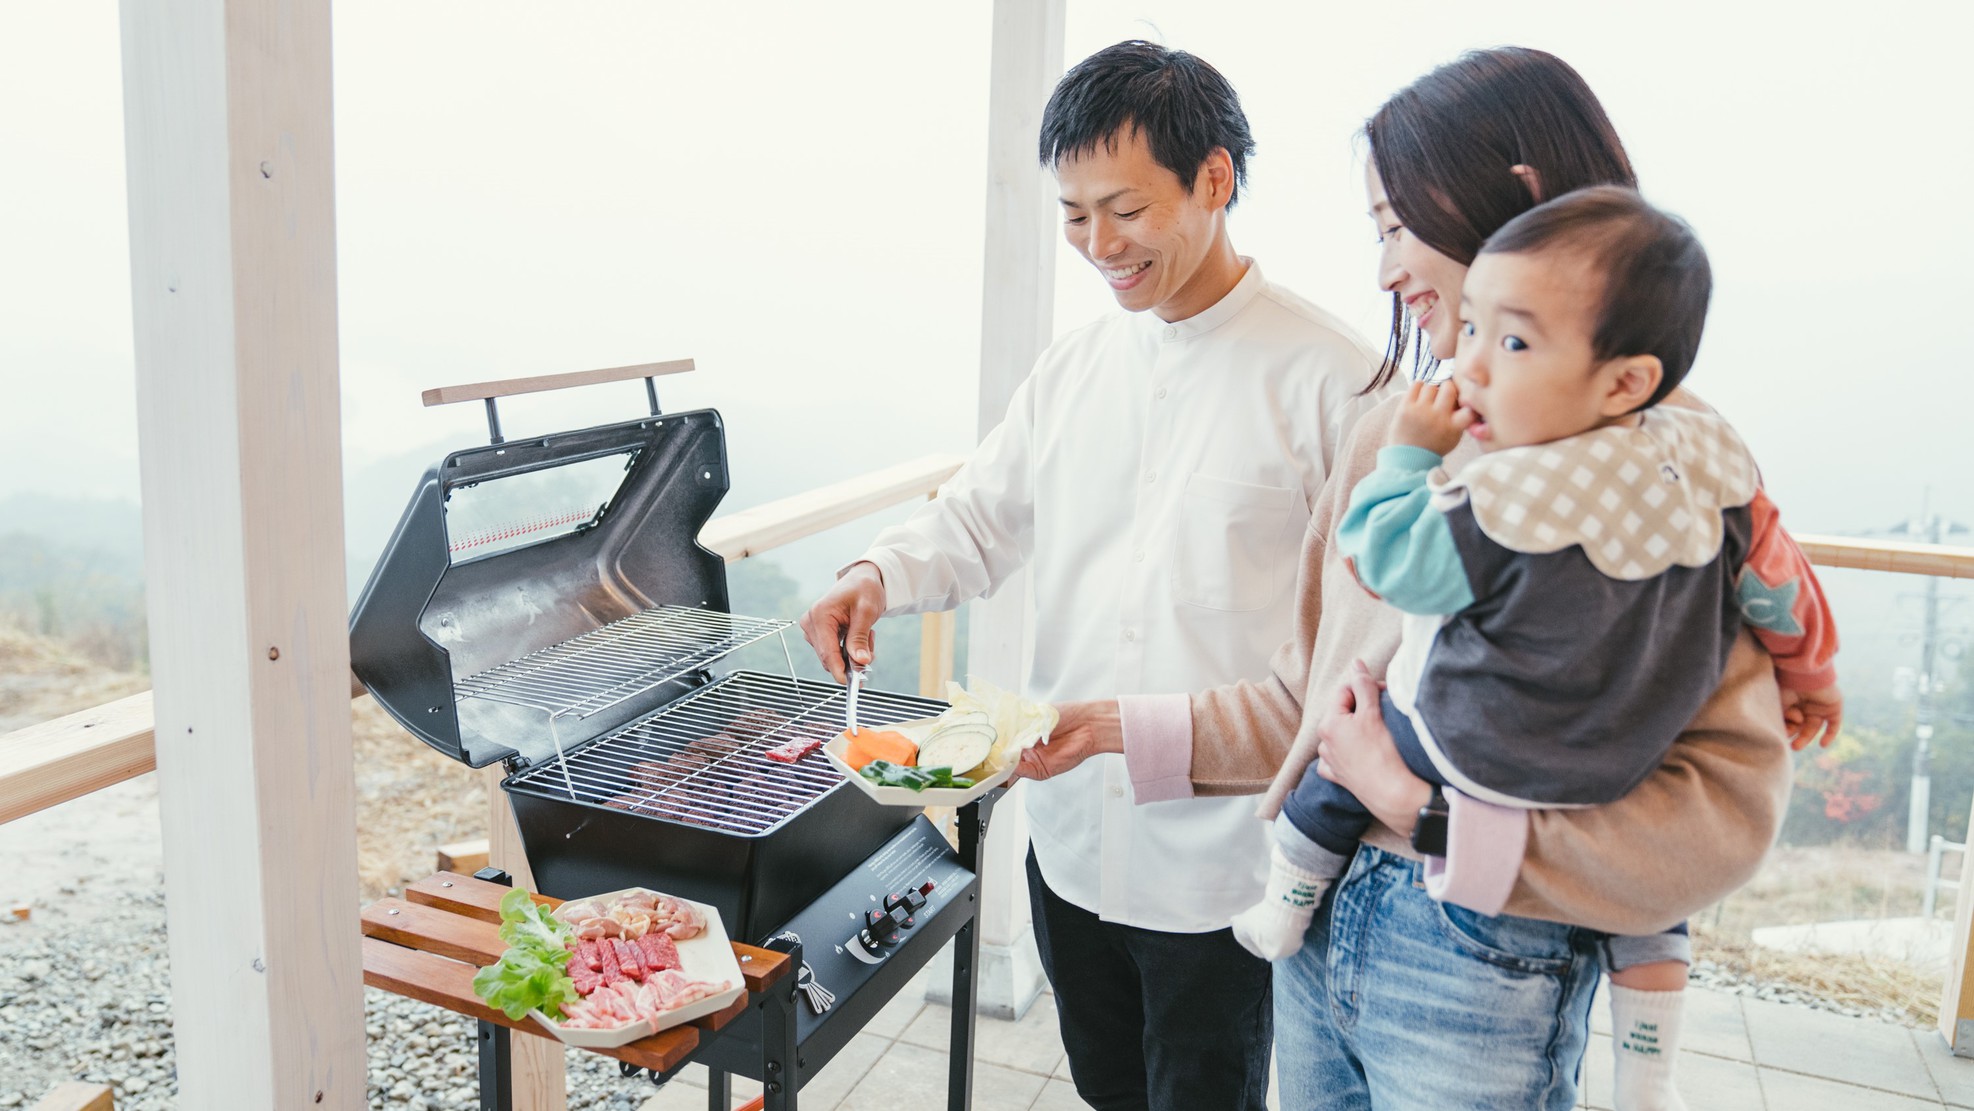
(629,960)
(660,952)
(609,969)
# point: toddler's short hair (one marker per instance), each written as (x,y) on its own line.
(1656,278)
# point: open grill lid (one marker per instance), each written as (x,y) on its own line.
(546,589)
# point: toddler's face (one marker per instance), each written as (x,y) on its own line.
(1526,365)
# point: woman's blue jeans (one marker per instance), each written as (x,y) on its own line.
(1399,1002)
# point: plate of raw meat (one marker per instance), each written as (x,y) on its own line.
(642,961)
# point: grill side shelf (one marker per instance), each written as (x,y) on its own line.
(479,900)
(606,667)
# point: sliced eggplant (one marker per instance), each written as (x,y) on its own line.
(960,747)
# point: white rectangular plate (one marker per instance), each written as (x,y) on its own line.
(708,956)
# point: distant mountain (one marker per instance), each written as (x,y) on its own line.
(115,526)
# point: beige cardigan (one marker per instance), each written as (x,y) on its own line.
(1684,839)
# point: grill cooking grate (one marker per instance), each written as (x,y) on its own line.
(590,673)
(701,761)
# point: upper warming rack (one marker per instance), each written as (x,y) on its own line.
(597,670)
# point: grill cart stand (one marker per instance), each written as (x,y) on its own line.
(427,946)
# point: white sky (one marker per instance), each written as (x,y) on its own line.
(792,193)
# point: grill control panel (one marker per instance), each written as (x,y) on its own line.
(883,910)
(883,925)
(862,941)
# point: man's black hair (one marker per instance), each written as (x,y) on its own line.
(1181,105)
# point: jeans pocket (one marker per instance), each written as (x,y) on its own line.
(1524,945)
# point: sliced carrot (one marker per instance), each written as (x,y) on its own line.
(876,744)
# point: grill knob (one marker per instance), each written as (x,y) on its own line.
(885,924)
(913,900)
(865,948)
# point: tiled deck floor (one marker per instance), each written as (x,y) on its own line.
(1739,1055)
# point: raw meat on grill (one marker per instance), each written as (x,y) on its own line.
(794,750)
(756,723)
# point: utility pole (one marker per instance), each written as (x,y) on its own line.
(1922,714)
(1928,528)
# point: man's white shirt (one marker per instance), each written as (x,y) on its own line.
(1157,479)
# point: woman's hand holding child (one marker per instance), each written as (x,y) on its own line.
(1431,417)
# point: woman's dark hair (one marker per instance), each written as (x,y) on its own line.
(1443,146)
(1181,105)
(1656,280)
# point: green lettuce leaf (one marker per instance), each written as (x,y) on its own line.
(532,974)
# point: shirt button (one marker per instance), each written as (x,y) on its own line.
(1160,394)
(1151,476)
(1171,332)
(1139,555)
(1117,792)
(1130,634)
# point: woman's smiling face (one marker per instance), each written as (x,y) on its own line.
(1426,281)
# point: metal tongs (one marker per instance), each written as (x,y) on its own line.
(857,676)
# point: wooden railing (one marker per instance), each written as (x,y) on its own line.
(51,763)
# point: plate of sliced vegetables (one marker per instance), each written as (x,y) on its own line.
(948,760)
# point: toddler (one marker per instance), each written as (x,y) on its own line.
(1571,595)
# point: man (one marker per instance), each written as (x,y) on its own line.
(1155,472)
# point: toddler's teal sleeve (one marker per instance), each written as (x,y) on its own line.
(1399,545)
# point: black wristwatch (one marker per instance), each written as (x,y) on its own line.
(1429,832)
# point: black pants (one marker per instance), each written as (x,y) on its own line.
(1155,1021)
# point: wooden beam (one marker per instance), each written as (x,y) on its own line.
(1884,555)
(1956,1018)
(935,652)
(541,1080)
(74,1095)
(753,531)
(233,278)
(465,857)
(50,763)
(508,387)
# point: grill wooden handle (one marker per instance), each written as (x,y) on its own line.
(481,391)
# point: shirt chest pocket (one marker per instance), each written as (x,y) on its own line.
(1231,548)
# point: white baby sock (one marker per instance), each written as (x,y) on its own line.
(1645,1041)
(1272,928)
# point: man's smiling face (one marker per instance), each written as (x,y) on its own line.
(1145,231)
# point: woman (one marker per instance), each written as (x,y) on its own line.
(1397,999)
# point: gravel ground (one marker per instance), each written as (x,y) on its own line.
(1709,975)
(91,1001)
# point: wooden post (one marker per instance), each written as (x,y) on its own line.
(935,647)
(541,1081)
(233,276)
(1957,993)
(1016,323)
(76,1096)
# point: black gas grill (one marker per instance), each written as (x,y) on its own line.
(545,603)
